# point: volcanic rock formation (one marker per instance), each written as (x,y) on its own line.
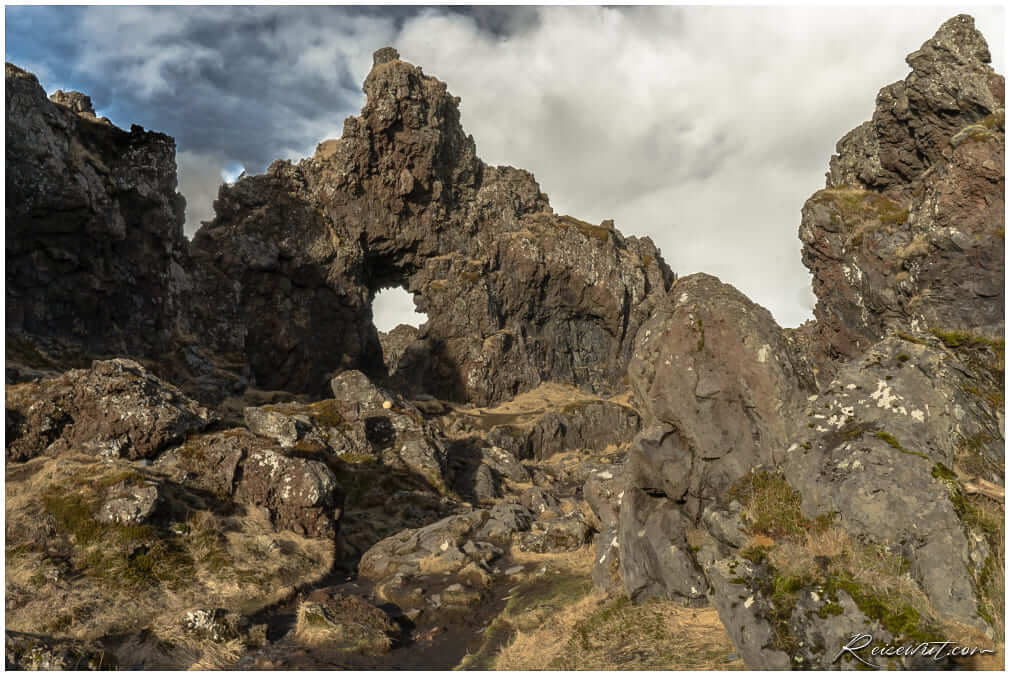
(93,224)
(213,459)
(515,295)
(909,229)
(801,469)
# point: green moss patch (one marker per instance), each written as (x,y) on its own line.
(773,506)
(854,205)
(891,441)
(327,413)
(128,555)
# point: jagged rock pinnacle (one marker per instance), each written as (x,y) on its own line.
(75,101)
(958,37)
(384,55)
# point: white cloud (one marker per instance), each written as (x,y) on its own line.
(395,306)
(200,176)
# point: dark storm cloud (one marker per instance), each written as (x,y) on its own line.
(246,82)
(500,20)
(241,85)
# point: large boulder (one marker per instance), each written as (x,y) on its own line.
(908,232)
(718,383)
(299,494)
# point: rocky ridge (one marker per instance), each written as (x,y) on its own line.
(293,489)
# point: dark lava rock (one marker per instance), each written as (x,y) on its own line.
(116,409)
(94,239)
(604,492)
(395,344)
(909,230)
(402,200)
(588,425)
(719,386)
(445,567)
(300,494)
(900,417)
(656,561)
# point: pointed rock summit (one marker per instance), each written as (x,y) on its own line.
(909,230)
(384,55)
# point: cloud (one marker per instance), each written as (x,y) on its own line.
(199,180)
(392,307)
(705,128)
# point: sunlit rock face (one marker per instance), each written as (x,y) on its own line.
(909,229)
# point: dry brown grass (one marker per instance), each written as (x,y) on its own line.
(169,646)
(433,564)
(653,635)
(70,575)
(578,562)
(538,647)
(557,620)
(919,246)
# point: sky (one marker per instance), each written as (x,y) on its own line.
(705,128)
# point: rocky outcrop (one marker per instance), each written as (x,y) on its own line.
(401,199)
(94,238)
(908,232)
(808,483)
(114,409)
(905,415)
(395,344)
(717,376)
(719,385)
(76,567)
(565,420)
(300,494)
(805,497)
(446,565)
(276,291)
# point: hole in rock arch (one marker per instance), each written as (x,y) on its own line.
(394,306)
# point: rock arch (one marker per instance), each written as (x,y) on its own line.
(515,294)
